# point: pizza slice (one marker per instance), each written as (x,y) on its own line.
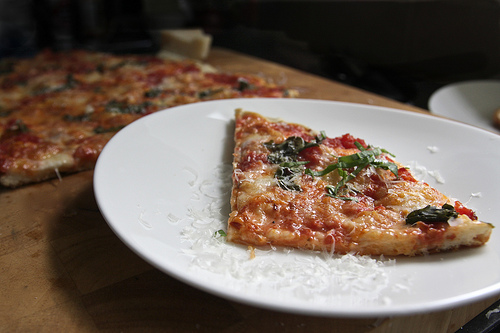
(296,187)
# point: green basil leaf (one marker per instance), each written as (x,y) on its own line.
(355,162)
(431,214)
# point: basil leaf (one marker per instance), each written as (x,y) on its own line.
(357,161)
(152,93)
(78,118)
(287,173)
(18,127)
(285,154)
(101,130)
(220,233)
(288,150)
(345,177)
(208,93)
(124,108)
(431,214)
(243,84)
(70,83)
(332,191)
(386,165)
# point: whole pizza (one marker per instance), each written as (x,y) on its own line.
(59,109)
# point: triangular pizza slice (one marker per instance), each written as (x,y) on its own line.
(295,187)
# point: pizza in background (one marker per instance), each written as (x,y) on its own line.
(58,110)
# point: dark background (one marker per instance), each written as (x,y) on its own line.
(401,49)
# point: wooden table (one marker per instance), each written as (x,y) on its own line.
(63,270)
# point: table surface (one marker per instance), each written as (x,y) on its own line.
(63,269)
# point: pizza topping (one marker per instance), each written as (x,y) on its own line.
(15,127)
(406,175)
(208,93)
(285,154)
(287,174)
(70,83)
(461,209)
(288,150)
(220,233)
(153,93)
(100,129)
(244,84)
(77,118)
(446,213)
(346,141)
(122,107)
(348,167)
(431,214)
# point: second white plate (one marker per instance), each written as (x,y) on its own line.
(472,102)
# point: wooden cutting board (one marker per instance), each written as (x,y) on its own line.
(62,268)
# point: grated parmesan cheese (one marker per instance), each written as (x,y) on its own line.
(421,173)
(304,274)
(437,176)
(58,174)
(433,149)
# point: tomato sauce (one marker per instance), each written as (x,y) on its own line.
(155,77)
(346,141)
(88,150)
(251,160)
(312,154)
(461,209)
(431,233)
(405,174)
(223,78)
(361,204)
(263,92)
(289,130)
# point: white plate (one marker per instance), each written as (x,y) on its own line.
(162,183)
(472,102)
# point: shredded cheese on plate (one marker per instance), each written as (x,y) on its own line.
(304,274)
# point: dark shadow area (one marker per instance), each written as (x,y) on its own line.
(403,50)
